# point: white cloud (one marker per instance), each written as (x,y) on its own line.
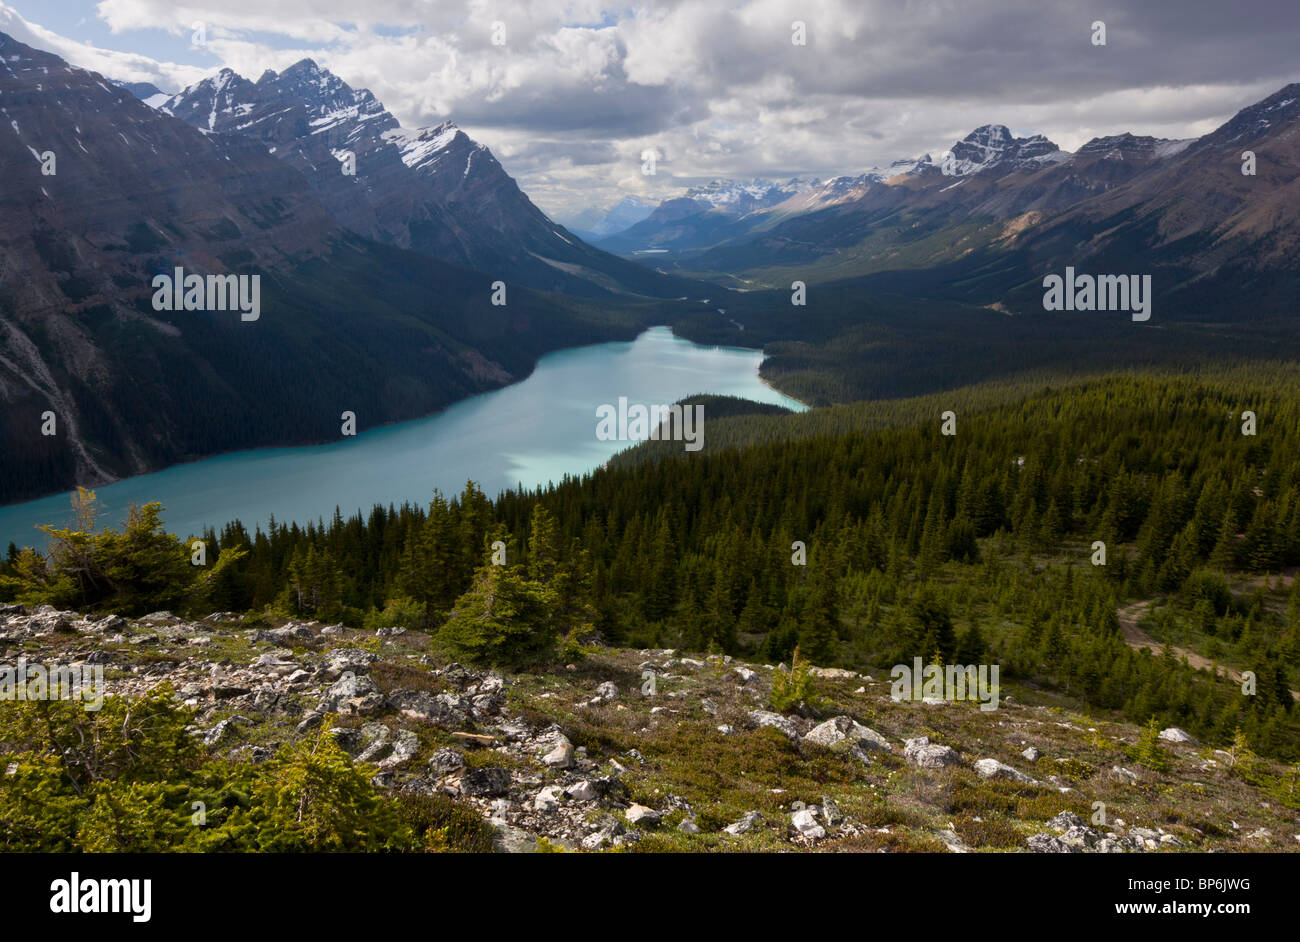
(579,89)
(123,66)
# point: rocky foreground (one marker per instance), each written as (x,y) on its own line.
(594,756)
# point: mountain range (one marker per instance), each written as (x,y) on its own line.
(378,248)
(432,190)
(700,217)
(985,222)
(367,301)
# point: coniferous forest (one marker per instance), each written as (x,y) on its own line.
(1052,532)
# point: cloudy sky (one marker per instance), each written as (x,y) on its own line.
(580,88)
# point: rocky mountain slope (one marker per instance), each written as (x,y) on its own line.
(593,756)
(432,190)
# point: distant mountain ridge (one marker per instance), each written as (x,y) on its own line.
(697,217)
(625,213)
(984,222)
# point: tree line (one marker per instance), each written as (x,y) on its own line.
(974,546)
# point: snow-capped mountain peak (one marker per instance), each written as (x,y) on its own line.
(994,146)
(1128,146)
(1278,109)
(744,196)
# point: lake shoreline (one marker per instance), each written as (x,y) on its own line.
(776,389)
(502,438)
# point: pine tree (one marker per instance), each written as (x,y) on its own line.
(819,632)
(503,620)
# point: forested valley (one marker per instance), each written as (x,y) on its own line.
(864,547)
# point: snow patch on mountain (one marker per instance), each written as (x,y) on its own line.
(744,196)
(421,147)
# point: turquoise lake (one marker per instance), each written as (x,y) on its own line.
(528,434)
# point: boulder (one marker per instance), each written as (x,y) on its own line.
(405,745)
(351,694)
(1047,844)
(583,790)
(745,824)
(447,710)
(445,761)
(561,757)
(1064,821)
(547,800)
(485,783)
(762,718)
(805,822)
(1174,734)
(641,816)
(342,660)
(927,755)
(843,732)
(992,768)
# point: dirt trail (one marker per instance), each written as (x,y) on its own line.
(1139,639)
